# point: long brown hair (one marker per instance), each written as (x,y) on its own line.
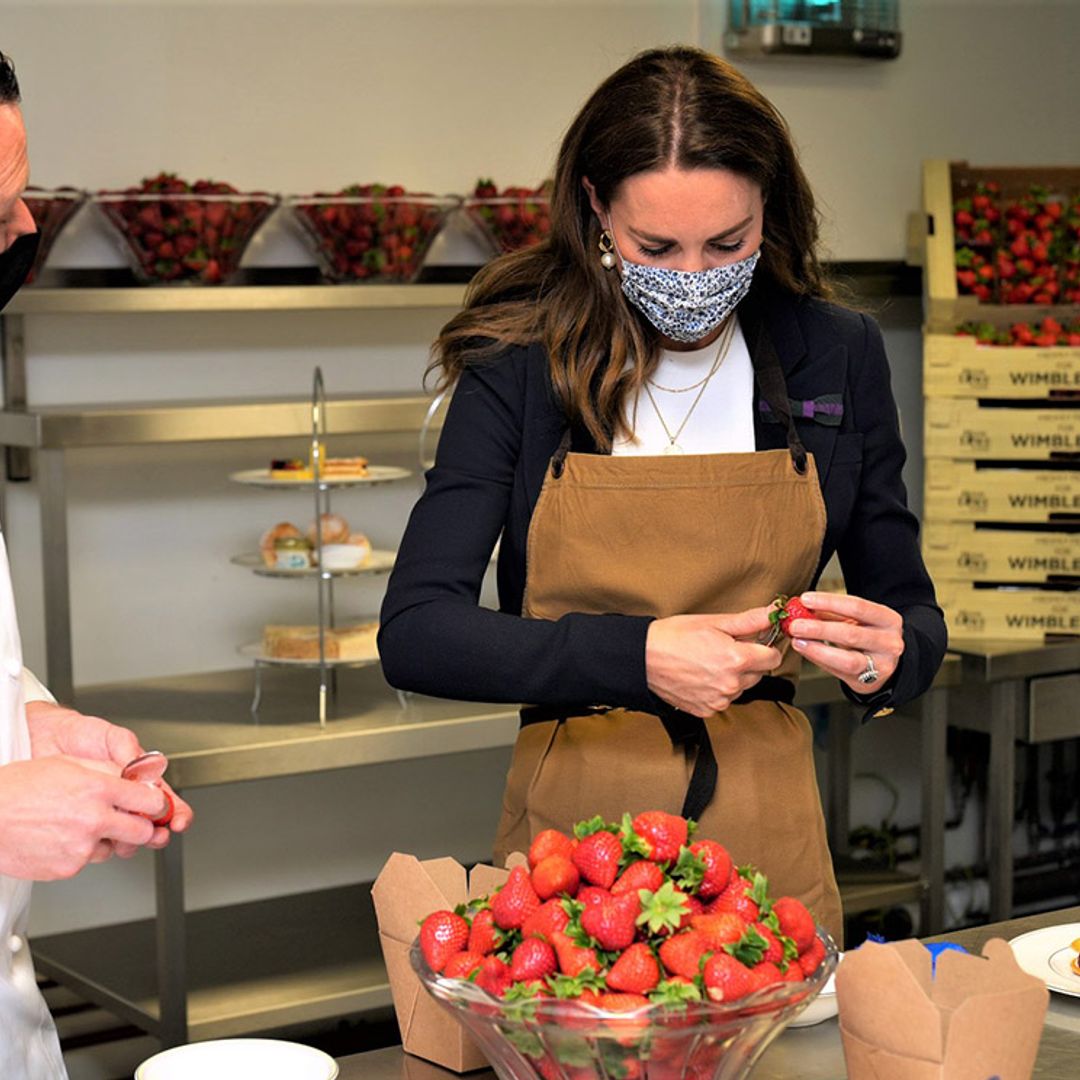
(675,106)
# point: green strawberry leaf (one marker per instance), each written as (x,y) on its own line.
(663,909)
(631,842)
(572,986)
(759,892)
(675,994)
(689,869)
(575,1052)
(592,825)
(749,949)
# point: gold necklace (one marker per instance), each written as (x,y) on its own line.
(673,446)
(721,355)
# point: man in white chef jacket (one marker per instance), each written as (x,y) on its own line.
(62,802)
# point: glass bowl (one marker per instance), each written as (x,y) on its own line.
(185,237)
(373,237)
(51,209)
(511,222)
(550,1039)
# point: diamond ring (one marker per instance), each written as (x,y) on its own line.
(870,675)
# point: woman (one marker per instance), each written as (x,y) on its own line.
(668,425)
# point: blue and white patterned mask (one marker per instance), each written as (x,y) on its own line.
(687,305)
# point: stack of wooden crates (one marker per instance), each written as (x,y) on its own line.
(1001,531)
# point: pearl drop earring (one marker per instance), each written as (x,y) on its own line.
(607,250)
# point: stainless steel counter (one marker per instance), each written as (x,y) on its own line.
(813,1053)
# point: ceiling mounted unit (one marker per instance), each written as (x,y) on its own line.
(867,28)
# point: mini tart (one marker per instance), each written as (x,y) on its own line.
(1075,965)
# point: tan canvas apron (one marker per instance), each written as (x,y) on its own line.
(673,535)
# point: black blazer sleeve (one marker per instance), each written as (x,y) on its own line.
(879,550)
(434,636)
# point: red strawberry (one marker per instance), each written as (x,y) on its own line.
(597,857)
(612,922)
(553,875)
(550,842)
(681,954)
(461,965)
(636,971)
(774,949)
(484,936)
(763,975)
(787,608)
(735,898)
(719,929)
(515,901)
(796,922)
(549,918)
(442,934)
(533,961)
(639,875)
(811,960)
(573,959)
(726,979)
(664,834)
(591,894)
(494,976)
(717,867)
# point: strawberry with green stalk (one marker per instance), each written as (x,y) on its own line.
(786,608)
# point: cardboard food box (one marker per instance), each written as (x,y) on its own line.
(956,365)
(1009,614)
(405,892)
(963,491)
(964,428)
(962,552)
(974,1018)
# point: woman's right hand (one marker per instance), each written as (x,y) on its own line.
(702,663)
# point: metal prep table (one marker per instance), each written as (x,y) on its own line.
(255,966)
(813,1053)
(1018,691)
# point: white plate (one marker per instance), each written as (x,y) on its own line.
(376,474)
(1047,954)
(254,651)
(227,1059)
(379,563)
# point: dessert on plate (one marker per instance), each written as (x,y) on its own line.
(352,642)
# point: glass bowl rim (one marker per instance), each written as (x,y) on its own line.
(266,197)
(770,998)
(505,200)
(449,201)
(66,194)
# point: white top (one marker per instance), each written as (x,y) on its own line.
(722,422)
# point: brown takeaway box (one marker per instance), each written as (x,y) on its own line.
(978,1017)
(406,890)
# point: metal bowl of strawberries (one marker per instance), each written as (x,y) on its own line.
(631,950)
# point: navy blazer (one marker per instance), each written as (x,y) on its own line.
(502,428)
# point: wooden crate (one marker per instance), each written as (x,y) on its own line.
(1009,613)
(945,181)
(964,491)
(958,366)
(969,429)
(964,553)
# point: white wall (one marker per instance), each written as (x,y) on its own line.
(304,94)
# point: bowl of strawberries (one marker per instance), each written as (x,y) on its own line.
(371,232)
(51,209)
(175,232)
(629,950)
(511,219)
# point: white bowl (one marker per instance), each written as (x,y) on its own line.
(344,556)
(823,1007)
(227,1059)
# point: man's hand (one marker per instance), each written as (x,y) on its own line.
(57,730)
(701,663)
(58,813)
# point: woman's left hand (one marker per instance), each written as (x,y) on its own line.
(850,638)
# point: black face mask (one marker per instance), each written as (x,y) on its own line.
(15,266)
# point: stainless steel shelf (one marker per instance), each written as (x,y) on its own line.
(878,889)
(202,723)
(126,301)
(66,427)
(288,960)
(993,661)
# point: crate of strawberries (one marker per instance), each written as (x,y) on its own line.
(371,232)
(175,232)
(620,945)
(1008,236)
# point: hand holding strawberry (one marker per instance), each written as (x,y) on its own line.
(844,632)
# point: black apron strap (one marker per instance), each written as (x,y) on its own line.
(685,731)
